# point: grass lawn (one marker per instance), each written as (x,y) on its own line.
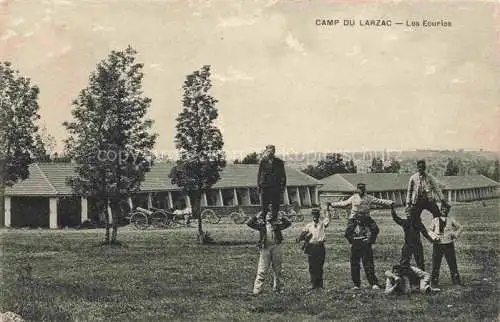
(164,275)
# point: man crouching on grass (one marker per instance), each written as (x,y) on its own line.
(402,277)
(313,236)
(270,238)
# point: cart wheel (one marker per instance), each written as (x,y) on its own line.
(158,220)
(212,217)
(208,215)
(139,220)
(215,219)
(299,217)
(237,218)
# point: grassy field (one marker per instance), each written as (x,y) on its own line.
(164,275)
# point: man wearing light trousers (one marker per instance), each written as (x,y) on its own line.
(270,249)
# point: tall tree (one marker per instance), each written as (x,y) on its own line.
(451,168)
(18,130)
(377,166)
(333,163)
(199,142)
(393,167)
(110,137)
(251,158)
(45,144)
(40,153)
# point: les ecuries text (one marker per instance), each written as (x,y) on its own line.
(382,22)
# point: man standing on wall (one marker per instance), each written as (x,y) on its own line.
(271,181)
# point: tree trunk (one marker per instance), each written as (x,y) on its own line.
(115,215)
(106,220)
(3,175)
(114,233)
(195,197)
(2,203)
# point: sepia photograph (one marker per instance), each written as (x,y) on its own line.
(218,160)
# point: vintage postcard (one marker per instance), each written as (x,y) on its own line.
(173,160)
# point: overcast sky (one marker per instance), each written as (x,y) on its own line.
(278,77)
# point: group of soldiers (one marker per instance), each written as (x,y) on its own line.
(361,232)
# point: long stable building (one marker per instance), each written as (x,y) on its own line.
(394,186)
(45,200)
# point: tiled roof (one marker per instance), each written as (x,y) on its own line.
(245,175)
(379,181)
(336,183)
(37,184)
(346,182)
(57,173)
(465,182)
(49,179)
(392,181)
(157,178)
(233,176)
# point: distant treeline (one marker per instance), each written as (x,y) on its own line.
(439,163)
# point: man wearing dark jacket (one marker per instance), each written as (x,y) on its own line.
(361,232)
(271,181)
(413,244)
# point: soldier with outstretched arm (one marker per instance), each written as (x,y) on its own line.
(361,202)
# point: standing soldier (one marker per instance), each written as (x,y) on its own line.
(361,232)
(447,230)
(271,181)
(313,236)
(422,193)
